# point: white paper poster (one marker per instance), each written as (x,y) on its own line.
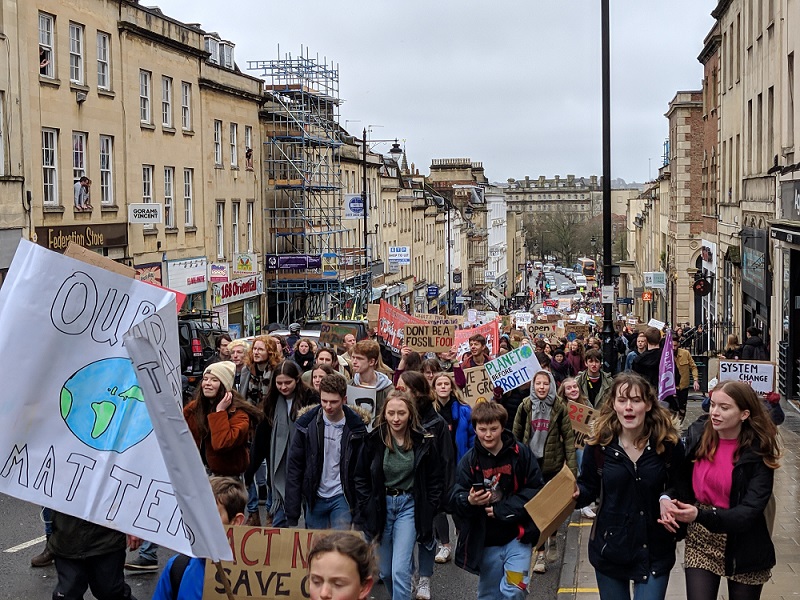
(80,440)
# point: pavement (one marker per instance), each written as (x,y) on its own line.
(577,581)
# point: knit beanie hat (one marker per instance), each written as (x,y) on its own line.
(224,371)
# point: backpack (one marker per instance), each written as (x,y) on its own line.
(760,352)
(176,571)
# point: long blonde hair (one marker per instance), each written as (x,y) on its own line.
(413,420)
(455,391)
(658,423)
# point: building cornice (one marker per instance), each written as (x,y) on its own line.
(230,90)
(133,28)
(722,6)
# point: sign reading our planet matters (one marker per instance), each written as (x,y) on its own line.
(513,369)
(90,437)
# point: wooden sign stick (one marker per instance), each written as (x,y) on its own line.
(224,578)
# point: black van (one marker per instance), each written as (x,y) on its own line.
(197,332)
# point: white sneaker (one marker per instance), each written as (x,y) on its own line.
(552,550)
(588,513)
(424,588)
(540,566)
(443,555)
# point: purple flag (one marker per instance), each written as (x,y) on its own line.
(666,370)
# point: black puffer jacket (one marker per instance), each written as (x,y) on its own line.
(436,425)
(370,513)
(509,511)
(78,539)
(626,541)
(307,456)
(754,349)
(748,545)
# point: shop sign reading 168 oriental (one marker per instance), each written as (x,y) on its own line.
(238,289)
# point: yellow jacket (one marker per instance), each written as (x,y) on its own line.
(684,362)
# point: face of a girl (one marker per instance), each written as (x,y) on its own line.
(726,417)
(259,352)
(443,387)
(429,375)
(210,385)
(334,576)
(316,377)
(285,385)
(631,408)
(397,415)
(572,391)
(237,355)
(303,347)
(541,385)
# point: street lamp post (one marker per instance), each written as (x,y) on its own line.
(608,324)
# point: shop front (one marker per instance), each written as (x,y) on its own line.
(238,302)
(756,281)
(189,276)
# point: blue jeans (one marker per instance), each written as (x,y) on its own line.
(504,571)
(148,551)
(329,513)
(252,490)
(425,556)
(396,552)
(655,588)
(47,517)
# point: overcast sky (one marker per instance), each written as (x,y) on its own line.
(512,83)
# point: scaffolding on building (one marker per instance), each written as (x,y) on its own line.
(308,268)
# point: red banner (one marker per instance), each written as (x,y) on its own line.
(490,331)
(391,321)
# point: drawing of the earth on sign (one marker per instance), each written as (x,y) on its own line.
(103,406)
(525,351)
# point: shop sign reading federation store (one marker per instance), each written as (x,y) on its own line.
(146,212)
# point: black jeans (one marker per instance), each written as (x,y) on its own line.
(103,574)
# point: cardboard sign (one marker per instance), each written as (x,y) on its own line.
(432,319)
(541,330)
(373,314)
(582,418)
(478,387)
(268,564)
(574,331)
(759,374)
(429,338)
(513,369)
(553,504)
(565,304)
(334,333)
(364,398)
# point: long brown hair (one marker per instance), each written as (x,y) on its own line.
(658,423)
(205,406)
(455,391)
(273,355)
(413,420)
(758,430)
(420,391)
(303,395)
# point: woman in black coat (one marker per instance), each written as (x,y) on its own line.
(723,495)
(630,463)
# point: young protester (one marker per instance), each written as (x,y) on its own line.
(641,346)
(262,359)
(410,360)
(576,356)
(726,486)
(630,463)
(221,421)
(341,566)
(303,354)
(494,480)
(478,352)
(754,347)
(317,374)
(594,382)
(542,423)
(286,397)
(365,358)
(458,415)
(399,487)
(646,364)
(428,406)
(221,351)
(326,356)
(322,460)
(732,350)
(559,367)
(571,391)
(183,577)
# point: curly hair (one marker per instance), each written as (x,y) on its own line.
(658,423)
(758,431)
(274,356)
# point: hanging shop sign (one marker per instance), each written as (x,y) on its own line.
(146,212)
(88,236)
(400,255)
(708,255)
(353,206)
(702,287)
(433,291)
(189,276)
(149,273)
(244,263)
(656,280)
(219,272)
(238,289)
(647,296)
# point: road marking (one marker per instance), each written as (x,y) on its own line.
(577,590)
(581,524)
(24,545)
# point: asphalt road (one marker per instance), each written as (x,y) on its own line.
(22,525)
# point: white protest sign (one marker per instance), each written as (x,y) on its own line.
(513,369)
(760,375)
(523,319)
(660,325)
(364,398)
(80,440)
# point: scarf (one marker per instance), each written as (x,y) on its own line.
(282,433)
(540,417)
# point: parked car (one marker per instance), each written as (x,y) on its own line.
(197,335)
(567,288)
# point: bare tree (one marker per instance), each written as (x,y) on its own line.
(566,235)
